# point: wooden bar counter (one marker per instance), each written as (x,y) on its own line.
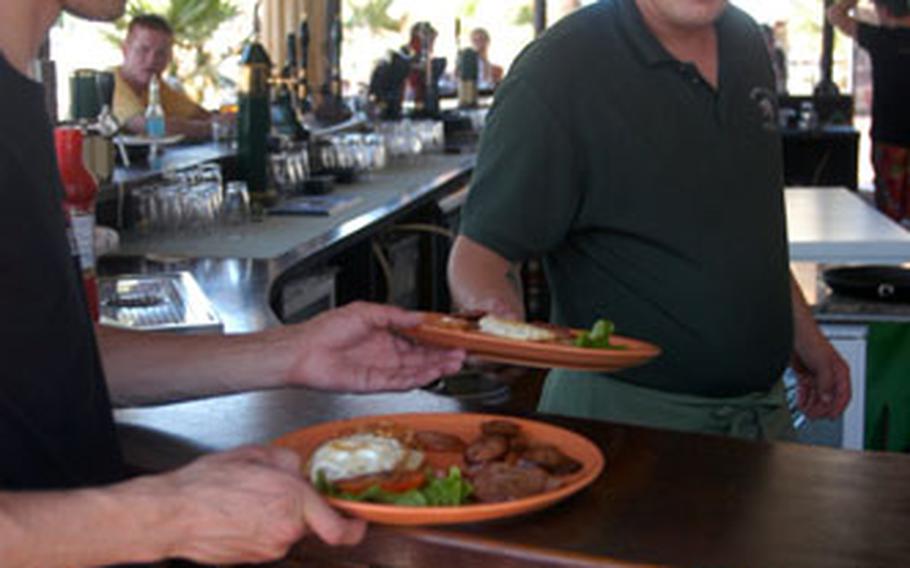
(665,498)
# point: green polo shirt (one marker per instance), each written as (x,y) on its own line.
(654,199)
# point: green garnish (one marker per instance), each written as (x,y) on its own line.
(446,491)
(598,337)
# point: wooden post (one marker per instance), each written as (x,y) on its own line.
(826,86)
(318,17)
(540,17)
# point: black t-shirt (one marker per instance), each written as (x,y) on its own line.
(56,426)
(889,49)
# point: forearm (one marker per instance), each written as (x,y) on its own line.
(145,368)
(196,128)
(839,16)
(481,279)
(94,527)
(806,332)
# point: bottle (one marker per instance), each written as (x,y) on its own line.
(468,72)
(80,190)
(154,113)
(335,43)
(289,71)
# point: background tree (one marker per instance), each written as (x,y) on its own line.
(374,16)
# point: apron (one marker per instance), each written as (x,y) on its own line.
(755,416)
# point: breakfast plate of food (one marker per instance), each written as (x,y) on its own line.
(443,468)
(541,345)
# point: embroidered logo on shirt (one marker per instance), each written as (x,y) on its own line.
(766,102)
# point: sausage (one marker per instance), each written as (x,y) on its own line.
(500,428)
(486,448)
(551,459)
(433,441)
(496,482)
(471,315)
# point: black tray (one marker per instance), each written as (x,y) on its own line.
(881,283)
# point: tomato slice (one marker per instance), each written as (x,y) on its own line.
(401,481)
(393,482)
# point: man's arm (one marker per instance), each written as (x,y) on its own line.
(823,375)
(193,128)
(480,279)
(840,17)
(354,349)
(248,505)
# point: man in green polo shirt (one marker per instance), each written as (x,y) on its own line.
(634,148)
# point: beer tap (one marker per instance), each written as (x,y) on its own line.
(303,81)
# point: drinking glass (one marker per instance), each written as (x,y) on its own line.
(236,207)
(144,214)
(280,173)
(169,206)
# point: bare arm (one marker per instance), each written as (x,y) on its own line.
(27,519)
(480,279)
(354,349)
(145,368)
(248,505)
(194,128)
(824,377)
(839,16)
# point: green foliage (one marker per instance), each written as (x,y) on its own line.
(525,15)
(194,22)
(373,15)
(469,8)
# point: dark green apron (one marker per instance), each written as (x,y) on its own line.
(756,416)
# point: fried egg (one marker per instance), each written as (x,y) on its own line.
(361,454)
(511,329)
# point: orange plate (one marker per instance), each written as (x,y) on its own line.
(467,427)
(534,353)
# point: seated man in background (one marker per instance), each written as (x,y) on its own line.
(147,51)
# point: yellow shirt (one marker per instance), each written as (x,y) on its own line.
(128,103)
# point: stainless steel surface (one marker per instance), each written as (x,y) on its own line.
(241,288)
(157,302)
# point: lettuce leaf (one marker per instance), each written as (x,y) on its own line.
(598,337)
(448,491)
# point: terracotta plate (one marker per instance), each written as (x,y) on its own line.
(466,426)
(531,353)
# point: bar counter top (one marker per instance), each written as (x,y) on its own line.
(665,498)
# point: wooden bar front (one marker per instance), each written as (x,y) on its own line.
(665,498)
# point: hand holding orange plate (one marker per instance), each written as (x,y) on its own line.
(631,352)
(467,427)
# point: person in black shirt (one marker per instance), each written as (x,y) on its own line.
(888,45)
(64,500)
